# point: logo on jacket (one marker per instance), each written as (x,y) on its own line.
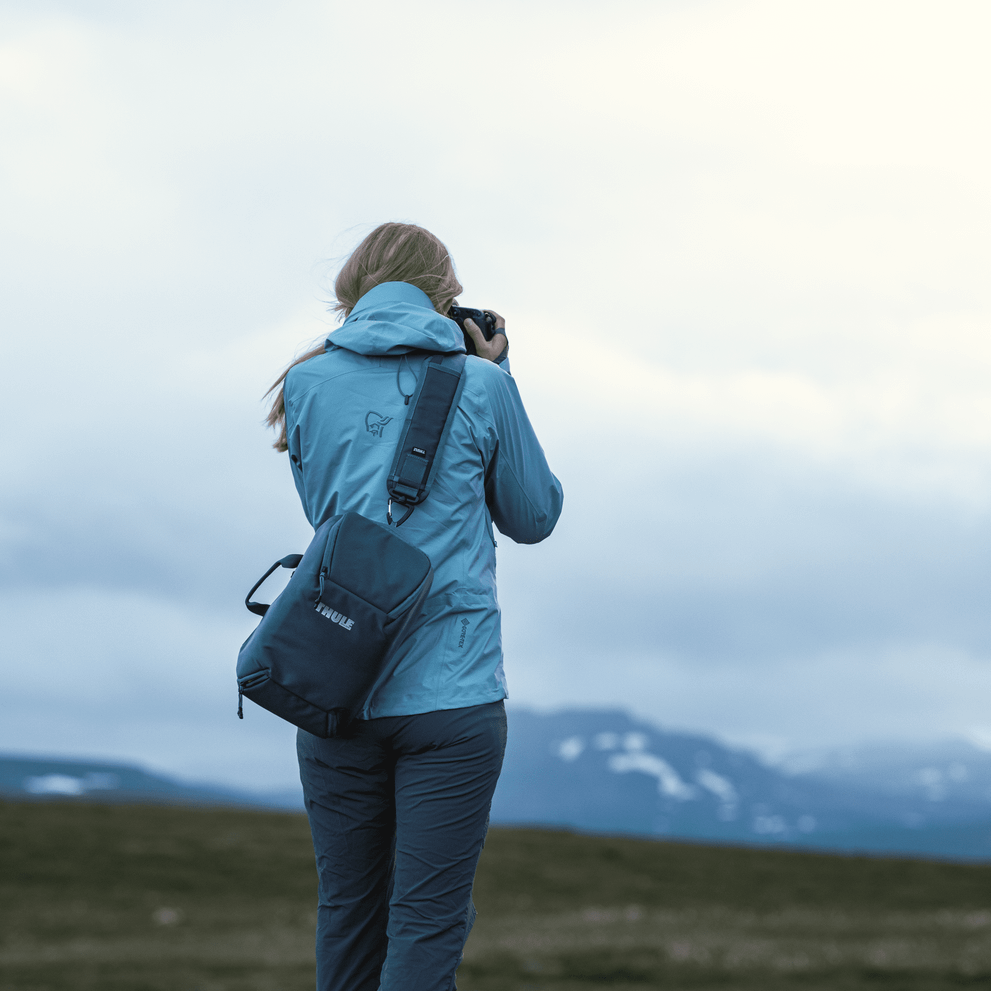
(375,423)
(334,616)
(464,632)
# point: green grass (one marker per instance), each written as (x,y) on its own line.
(141,898)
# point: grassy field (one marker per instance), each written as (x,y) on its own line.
(140,898)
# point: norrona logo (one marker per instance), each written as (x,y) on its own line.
(464,633)
(335,617)
(375,423)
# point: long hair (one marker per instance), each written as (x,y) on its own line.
(391,253)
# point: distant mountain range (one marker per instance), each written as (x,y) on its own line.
(603,771)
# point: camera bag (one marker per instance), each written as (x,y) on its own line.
(326,643)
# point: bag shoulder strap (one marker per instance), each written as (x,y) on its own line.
(425,431)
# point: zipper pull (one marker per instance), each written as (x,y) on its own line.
(240,710)
(323,575)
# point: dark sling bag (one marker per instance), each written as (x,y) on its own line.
(325,645)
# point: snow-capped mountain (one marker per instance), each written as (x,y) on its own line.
(53,777)
(602,770)
(943,771)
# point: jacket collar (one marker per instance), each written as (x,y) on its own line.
(390,292)
(396,318)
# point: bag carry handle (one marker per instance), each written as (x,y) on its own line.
(260,608)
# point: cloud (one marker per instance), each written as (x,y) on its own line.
(741,246)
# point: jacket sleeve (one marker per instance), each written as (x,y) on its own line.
(523,495)
(295,452)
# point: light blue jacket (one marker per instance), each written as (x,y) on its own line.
(344,411)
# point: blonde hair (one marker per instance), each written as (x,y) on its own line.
(391,253)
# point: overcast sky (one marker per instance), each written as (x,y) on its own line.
(743,252)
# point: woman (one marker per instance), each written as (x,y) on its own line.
(399,807)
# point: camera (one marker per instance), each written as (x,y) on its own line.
(483,320)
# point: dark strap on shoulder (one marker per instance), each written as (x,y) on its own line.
(427,425)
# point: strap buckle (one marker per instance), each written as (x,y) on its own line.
(405,516)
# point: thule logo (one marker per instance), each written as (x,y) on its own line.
(334,616)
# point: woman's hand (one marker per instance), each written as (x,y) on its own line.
(490,350)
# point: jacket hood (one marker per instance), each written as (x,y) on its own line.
(396,318)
